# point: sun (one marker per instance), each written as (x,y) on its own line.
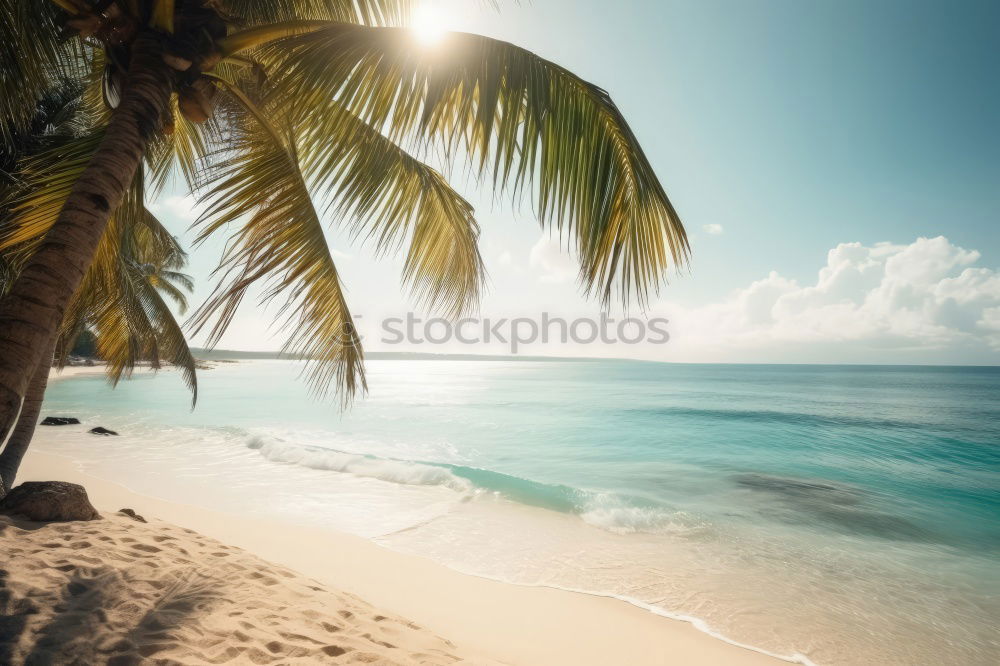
(427,25)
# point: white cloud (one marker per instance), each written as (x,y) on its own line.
(556,263)
(923,296)
(713,229)
(182,208)
(506,260)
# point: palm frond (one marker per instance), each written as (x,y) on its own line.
(171,291)
(8,273)
(182,279)
(246,40)
(93,102)
(119,298)
(33,55)
(183,150)
(164,282)
(530,123)
(163,15)
(369,12)
(393,197)
(59,117)
(136,259)
(279,242)
(45,180)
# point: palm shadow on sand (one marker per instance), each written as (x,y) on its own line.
(84,609)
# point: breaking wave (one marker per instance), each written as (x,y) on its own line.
(607,511)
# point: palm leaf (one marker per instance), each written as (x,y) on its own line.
(164,283)
(135,259)
(370,12)
(183,150)
(280,242)
(163,15)
(393,197)
(119,298)
(33,56)
(533,125)
(45,182)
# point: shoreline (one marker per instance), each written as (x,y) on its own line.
(96,370)
(516,624)
(70,371)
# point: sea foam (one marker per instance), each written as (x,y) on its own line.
(383,469)
(611,514)
(607,511)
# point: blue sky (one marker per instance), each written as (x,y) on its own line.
(793,137)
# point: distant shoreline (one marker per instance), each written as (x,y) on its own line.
(222,354)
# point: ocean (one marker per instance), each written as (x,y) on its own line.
(824,514)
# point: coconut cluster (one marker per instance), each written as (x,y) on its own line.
(190,48)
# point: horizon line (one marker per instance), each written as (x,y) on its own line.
(278,355)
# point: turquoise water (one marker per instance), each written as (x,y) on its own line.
(828,514)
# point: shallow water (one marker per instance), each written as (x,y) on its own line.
(839,515)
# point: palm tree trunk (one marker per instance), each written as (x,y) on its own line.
(20,438)
(33,309)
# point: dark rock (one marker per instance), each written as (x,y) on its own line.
(100,430)
(46,501)
(59,420)
(131,514)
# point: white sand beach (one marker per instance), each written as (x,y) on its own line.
(198,586)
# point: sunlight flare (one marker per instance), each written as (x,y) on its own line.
(428,25)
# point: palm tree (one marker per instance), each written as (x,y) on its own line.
(120,300)
(277,112)
(131,324)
